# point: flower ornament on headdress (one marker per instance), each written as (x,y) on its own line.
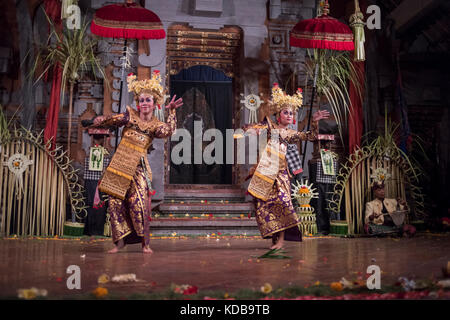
(151,86)
(281,100)
(379,175)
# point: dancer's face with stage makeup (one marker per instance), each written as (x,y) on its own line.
(286,117)
(146,103)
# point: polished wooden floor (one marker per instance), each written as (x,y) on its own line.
(226,264)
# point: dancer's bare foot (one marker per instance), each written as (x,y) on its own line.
(146,249)
(276,246)
(279,243)
(119,246)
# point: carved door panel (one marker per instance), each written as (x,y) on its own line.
(207,98)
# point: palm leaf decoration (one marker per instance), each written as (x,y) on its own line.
(5,125)
(74,51)
(335,72)
(4,131)
(274,254)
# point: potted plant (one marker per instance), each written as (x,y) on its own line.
(74,51)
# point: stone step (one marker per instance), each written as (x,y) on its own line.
(190,226)
(206,208)
(210,195)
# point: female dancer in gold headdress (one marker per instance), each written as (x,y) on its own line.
(270,183)
(127,180)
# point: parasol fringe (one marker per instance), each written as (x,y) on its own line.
(324,44)
(127,33)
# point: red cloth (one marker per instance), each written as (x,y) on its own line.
(355,119)
(323,32)
(53,11)
(51,125)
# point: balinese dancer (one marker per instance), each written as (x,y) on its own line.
(127,180)
(270,182)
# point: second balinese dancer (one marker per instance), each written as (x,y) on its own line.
(127,180)
(270,182)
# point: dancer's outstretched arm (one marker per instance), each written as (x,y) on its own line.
(167,129)
(113,120)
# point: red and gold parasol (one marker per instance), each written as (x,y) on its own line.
(322,32)
(127,20)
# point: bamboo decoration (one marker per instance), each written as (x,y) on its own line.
(48,184)
(353,181)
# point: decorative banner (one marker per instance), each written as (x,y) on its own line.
(327,157)
(252,102)
(17,164)
(96,155)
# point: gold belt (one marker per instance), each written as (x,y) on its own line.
(132,146)
(272,150)
(263,177)
(119,173)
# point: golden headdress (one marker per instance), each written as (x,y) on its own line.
(151,86)
(281,100)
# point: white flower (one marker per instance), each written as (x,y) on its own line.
(130,277)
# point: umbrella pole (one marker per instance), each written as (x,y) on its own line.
(120,94)
(310,112)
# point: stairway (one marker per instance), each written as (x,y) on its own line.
(201,212)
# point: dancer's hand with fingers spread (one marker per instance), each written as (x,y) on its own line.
(321,114)
(174,104)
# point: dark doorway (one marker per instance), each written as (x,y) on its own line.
(207,96)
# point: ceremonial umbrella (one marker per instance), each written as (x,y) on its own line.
(322,32)
(128,21)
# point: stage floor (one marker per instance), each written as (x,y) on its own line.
(223,263)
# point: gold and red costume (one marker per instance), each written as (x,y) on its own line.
(270,182)
(125,179)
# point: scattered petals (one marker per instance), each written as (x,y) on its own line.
(31,293)
(337,286)
(444,283)
(100,292)
(122,278)
(185,289)
(266,288)
(104,278)
(408,285)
